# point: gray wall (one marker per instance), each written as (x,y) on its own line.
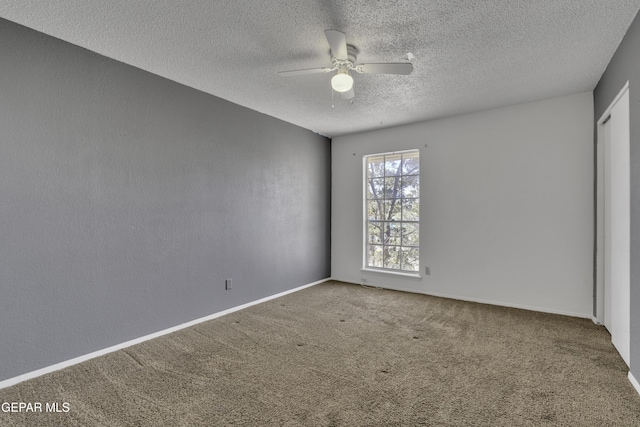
(127,199)
(625,66)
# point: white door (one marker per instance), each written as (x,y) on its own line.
(617,219)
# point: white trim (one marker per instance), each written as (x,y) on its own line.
(20,378)
(490,302)
(634,382)
(613,103)
(595,320)
(391,272)
(508,304)
(599,236)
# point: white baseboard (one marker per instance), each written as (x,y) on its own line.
(520,306)
(634,382)
(20,378)
(483,301)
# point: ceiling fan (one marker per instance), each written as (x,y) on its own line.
(343,58)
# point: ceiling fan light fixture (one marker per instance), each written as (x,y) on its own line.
(343,59)
(342,82)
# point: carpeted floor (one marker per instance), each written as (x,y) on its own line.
(342,355)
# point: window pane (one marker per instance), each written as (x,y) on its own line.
(375,256)
(392,255)
(392,188)
(411,259)
(375,166)
(410,164)
(375,188)
(410,209)
(393,234)
(376,232)
(411,186)
(375,209)
(410,234)
(392,164)
(393,210)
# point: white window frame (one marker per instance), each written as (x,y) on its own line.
(365,216)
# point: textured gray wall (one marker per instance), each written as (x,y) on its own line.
(625,66)
(127,199)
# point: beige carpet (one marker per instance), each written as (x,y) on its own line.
(342,355)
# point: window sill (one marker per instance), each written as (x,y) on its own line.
(415,276)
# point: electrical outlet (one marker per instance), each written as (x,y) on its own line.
(227,284)
(427,271)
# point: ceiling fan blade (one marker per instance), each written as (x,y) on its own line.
(348,94)
(385,68)
(338,43)
(307,71)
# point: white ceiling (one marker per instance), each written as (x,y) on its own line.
(469,55)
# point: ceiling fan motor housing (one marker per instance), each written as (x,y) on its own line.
(352,53)
(348,63)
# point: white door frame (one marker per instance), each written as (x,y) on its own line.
(602,316)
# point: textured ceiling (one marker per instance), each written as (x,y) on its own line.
(468,55)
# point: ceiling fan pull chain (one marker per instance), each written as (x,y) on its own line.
(332,106)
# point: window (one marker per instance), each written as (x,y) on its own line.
(392,211)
